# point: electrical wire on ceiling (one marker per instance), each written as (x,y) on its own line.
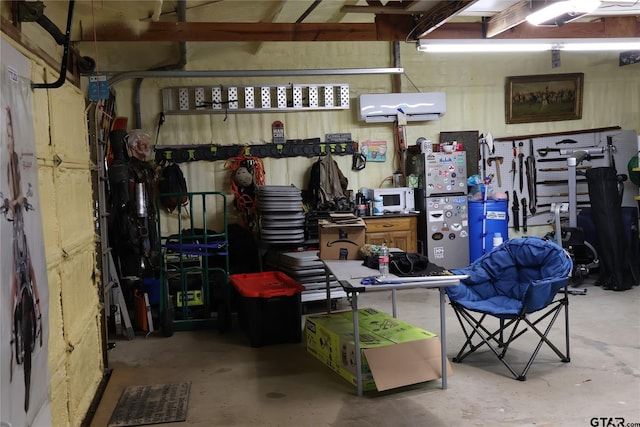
(307,12)
(405,75)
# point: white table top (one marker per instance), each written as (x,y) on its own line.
(352,271)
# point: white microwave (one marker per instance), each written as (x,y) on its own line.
(392,200)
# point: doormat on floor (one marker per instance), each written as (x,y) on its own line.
(151,404)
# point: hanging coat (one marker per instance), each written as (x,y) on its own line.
(327,183)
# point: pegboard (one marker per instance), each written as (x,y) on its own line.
(550,184)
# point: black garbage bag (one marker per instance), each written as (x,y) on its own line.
(618,268)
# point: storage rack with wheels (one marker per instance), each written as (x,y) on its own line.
(194,266)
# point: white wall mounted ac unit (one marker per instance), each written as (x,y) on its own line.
(385,107)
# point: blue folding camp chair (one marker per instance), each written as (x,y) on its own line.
(520,283)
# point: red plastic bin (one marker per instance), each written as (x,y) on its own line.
(269,309)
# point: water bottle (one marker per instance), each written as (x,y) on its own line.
(383,260)
(378,207)
(497,239)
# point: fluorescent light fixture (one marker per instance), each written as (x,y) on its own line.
(482,45)
(528,45)
(560,12)
(604,44)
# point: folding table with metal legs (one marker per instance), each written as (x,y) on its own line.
(348,274)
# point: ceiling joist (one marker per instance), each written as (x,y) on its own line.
(509,18)
(438,15)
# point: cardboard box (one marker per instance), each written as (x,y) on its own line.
(394,353)
(341,241)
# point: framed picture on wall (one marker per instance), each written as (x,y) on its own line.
(543,98)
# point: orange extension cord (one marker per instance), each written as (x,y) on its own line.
(246,202)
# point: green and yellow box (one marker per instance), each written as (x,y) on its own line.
(394,352)
(194,297)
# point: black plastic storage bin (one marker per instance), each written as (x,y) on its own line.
(269,307)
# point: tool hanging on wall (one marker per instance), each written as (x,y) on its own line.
(490,145)
(562,169)
(531,178)
(358,161)
(579,204)
(513,164)
(516,212)
(546,150)
(558,182)
(564,159)
(567,141)
(569,151)
(580,193)
(483,157)
(160,123)
(485,142)
(521,164)
(498,161)
(610,150)
(524,214)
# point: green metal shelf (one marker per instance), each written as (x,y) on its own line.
(188,256)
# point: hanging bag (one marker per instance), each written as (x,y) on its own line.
(172,187)
(618,268)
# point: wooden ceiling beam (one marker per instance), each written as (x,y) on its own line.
(393,27)
(225,31)
(439,15)
(613,27)
(379,31)
(514,15)
(271,16)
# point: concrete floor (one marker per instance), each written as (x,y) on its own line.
(233,384)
